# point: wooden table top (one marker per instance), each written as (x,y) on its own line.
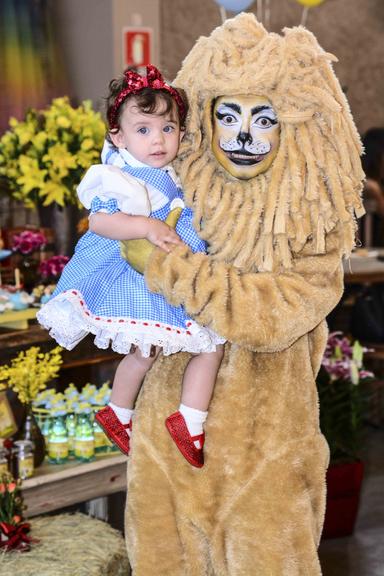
(365,269)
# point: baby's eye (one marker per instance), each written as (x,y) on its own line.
(168,129)
(143,130)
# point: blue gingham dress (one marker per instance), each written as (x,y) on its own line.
(100,293)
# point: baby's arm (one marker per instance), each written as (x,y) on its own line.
(120,226)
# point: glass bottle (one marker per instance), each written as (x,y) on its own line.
(14,461)
(3,461)
(46,428)
(84,438)
(30,431)
(70,423)
(100,443)
(24,459)
(58,449)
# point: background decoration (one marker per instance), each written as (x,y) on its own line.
(43,157)
(30,372)
(310,3)
(13,529)
(307,4)
(31,67)
(342,389)
(234,5)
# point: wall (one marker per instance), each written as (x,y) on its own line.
(350,29)
(89,33)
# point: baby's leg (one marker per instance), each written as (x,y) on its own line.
(115,419)
(129,376)
(198,384)
(200,378)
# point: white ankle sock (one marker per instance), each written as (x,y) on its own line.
(123,414)
(194,420)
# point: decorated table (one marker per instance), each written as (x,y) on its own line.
(54,487)
(365,267)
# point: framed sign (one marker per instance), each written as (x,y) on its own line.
(137,46)
(8,425)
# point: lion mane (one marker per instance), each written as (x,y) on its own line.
(314,184)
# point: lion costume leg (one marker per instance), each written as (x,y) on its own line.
(256,507)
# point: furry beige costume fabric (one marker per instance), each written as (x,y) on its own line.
(273,274)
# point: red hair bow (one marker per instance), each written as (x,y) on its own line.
(135,83)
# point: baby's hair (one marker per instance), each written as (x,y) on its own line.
(148,101)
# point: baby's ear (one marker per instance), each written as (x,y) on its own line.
(116,138)
(182,134)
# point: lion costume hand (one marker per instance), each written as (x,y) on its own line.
(137,252)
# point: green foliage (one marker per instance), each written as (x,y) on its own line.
(343,396)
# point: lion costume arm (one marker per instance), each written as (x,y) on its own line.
(263,311)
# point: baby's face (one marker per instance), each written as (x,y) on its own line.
(151,138)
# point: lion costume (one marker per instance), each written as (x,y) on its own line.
(272,275)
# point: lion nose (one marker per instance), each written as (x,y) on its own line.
(244,138)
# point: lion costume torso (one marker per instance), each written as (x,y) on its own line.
(273,274)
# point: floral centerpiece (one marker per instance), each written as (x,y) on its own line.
(13,528)
(30,371)
(51,268)
(342,394)
(43,157)
(27,243)
(27,375)
(342,389)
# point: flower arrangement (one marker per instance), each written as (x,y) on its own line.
(43,157)
(28,241)
(53,267)
(30,371)
(13,529)
(342,395)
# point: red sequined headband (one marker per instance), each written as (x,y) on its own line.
(136,83)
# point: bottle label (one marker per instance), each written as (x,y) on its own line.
(3,467)
(57,449)
(26,467)
(99,439)
(84,448)
(71,443)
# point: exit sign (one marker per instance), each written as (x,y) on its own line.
(137,46)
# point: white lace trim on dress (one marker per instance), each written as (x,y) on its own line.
(69,321)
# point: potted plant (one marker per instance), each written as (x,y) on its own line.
(27,375)
(43,158)
(342,390)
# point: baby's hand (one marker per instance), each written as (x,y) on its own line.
(162,235)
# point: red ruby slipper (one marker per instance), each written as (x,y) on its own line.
(114,429)
(177,428)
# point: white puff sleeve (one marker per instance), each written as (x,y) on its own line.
(109,182)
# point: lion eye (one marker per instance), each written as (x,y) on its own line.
(228,119)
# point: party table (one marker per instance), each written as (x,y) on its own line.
(54,487)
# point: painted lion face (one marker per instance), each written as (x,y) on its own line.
(245,135)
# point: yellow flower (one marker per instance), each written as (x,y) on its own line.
(63,122)
(44,157)
(87,144)
(30,371)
